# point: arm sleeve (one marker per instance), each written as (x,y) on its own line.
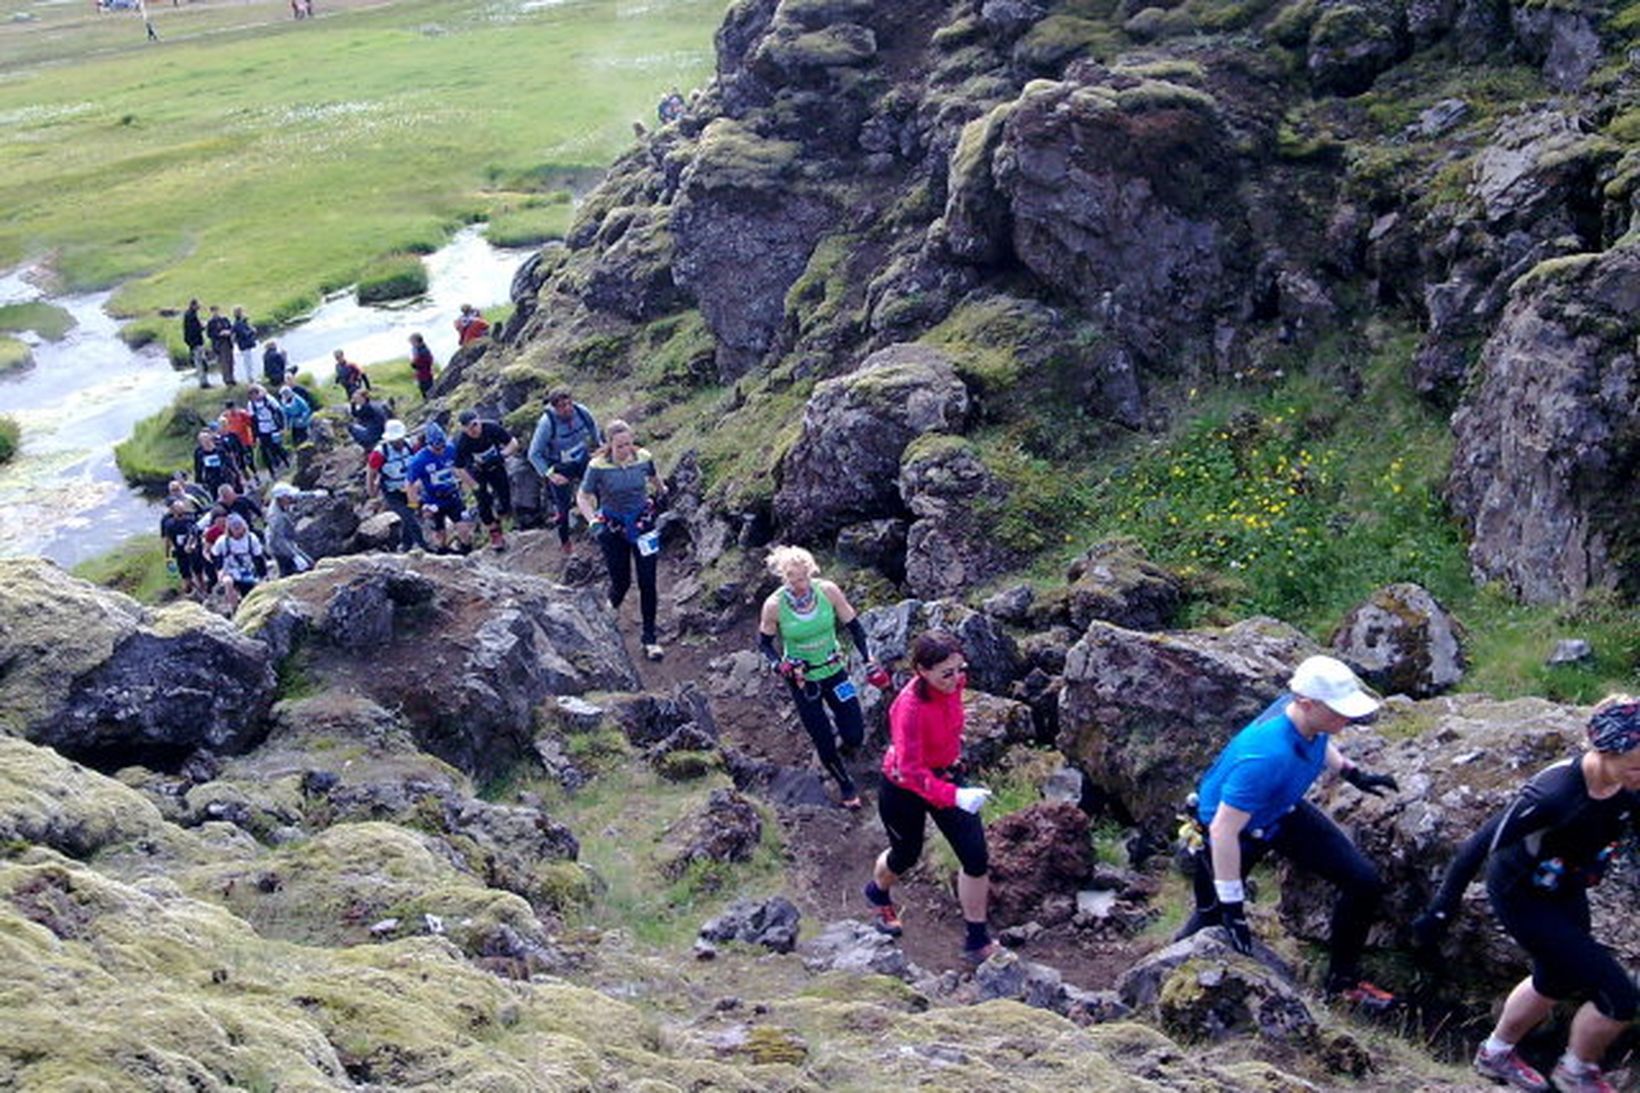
(540,441)
(1465,865)
(765,644)
(913,770)
(857,631)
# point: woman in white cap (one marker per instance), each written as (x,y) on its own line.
(1251,802)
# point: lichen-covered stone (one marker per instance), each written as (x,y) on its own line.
(1402,641)
(100,678)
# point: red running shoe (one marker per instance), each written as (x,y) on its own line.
(1509,1069)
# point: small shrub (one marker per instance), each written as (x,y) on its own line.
(10,438)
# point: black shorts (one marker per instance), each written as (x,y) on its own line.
(904,814)
(1567,962)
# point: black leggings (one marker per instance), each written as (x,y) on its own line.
(620,557)
(811,700)
(903,813)
(273,452)
(563,497)
(1553,928)
(1313,843)
(494,492)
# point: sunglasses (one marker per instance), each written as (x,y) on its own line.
(952,673)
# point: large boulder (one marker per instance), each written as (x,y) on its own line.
(1121,195)
(463,651)
(102,679)
(1116,581)
(727,828)
(993,656)
(1458,760)
(47,800)
(1402,641)
(845,465)
(1142,715)
(1200,989)
(1548,444)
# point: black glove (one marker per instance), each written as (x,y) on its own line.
(1367,782)
(1233,917)
(1430,927)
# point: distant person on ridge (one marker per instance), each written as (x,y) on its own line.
(349,376)
(219,329)
(564,439)
(274,363)
(193,336)
(369,419)
(421,363)
(671,107)
(1251,802)
(470,325)
(298,415)
(268,420)
(244,340)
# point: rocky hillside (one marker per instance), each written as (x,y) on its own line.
(1066,225)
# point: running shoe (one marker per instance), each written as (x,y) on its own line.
(853,803)
(1508,1068)
(1588,1081)
(653,650)
(497,543)
(976,957)
(1363,995)
(885,918)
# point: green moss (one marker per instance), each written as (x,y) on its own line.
(686,766)
(1059,38)
(1224,16)
(392,277)
(1291,25)
(530,224)
(1171,69)
(732,156)
(11,433)
(563,886)
(599,355)
(1564,268)
(1153,24)
(1161,95)
(958,33)
(817,298)
(14,355)
(47,320)
(675,355)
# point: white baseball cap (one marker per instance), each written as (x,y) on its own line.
(1330,682)
(394,430)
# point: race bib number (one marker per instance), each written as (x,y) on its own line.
(846,690)
(573,454)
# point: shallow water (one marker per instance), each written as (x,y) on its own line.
(62,496)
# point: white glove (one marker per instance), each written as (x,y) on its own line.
(972,798)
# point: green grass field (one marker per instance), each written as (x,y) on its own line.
(248,158)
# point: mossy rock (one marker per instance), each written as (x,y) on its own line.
(769,1044)
(47,800)
(732,156)
(1057,39)
(842,45)
(1155,24)
(814,14)
(562,886)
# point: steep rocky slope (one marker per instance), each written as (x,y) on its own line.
(1091,208)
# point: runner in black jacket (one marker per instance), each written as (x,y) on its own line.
(1555,841)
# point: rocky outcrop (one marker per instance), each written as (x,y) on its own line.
(49,801)
(952,543)
(1402,641)
(1202,990)
(464,652)
(993,655)
(1548,444)
(846,463)
(1142,715)
(104,680)
(727,829)
(1117,582)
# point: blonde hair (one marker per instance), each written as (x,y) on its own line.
(615,426)
(782,556)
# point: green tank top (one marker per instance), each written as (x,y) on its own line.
(812,637)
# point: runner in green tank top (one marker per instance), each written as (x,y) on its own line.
(803,615)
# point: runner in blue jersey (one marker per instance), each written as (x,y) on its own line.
(1251,802)
(435,487)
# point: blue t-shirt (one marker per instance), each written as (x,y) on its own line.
(436,471)
(1265,770)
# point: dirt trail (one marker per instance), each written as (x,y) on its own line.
(829,850)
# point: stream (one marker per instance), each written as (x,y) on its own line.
(62,496)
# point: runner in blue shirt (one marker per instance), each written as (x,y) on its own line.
(1251,801)
(435,488)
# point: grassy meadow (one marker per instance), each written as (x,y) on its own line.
(251,158)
